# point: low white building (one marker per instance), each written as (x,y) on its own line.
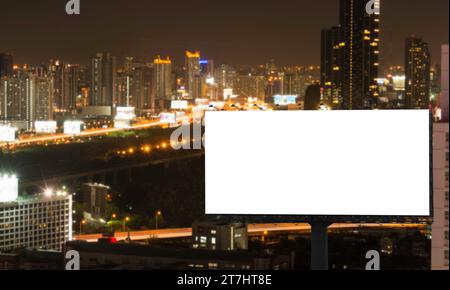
(39,222)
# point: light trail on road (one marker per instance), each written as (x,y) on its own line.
(87,133)
(252,229)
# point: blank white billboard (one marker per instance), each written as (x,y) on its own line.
(49,127)
(8,134)
(179,105)
(332,163)
(73,127)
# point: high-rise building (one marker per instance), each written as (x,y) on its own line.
(440,230)
(331,74)
(274,85)
(133,85)
(207,68)
(193,74)
(444,83)
(39,222)
(6,65)
(162,81)
(57,72)
(435,82)
(43,99)
(297,79)
(128,64)
(417,72)
(225,76)
(249,85)
(103,80)
(360,35)
(72,86)
(208,81)
(26,96)
(123,90)
(30,99)
(140,87)
(17,95)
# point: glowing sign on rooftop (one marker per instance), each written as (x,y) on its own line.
(9,188)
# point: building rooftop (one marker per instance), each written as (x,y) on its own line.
(154,251)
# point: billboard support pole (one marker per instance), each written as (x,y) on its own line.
(319,245)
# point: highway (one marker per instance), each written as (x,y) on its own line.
(252,229)
(87,133)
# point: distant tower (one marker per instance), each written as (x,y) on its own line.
(72,79)
(162,81)
(417,71)
(6,65)
(103,80)
(331,74)
(57,72)
(193,74)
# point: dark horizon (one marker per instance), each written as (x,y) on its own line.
(236,32)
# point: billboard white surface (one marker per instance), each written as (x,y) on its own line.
(45,127)
(73,127)
(168,118)
(228,94)
(179,105)
(125,113)
(122,124)
(284,100)
(8,134)
(331,163)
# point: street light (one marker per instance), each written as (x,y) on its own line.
(82,222)
(264,237)
(113,217)
(127,219)
(157,214)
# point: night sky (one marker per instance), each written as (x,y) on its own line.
(246,32)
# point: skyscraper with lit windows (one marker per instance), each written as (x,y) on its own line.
(360,41)
(162,81)
(417,71)
(331,74)
(103,80)
(193,74)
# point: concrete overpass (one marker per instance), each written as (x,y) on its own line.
(254,229)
